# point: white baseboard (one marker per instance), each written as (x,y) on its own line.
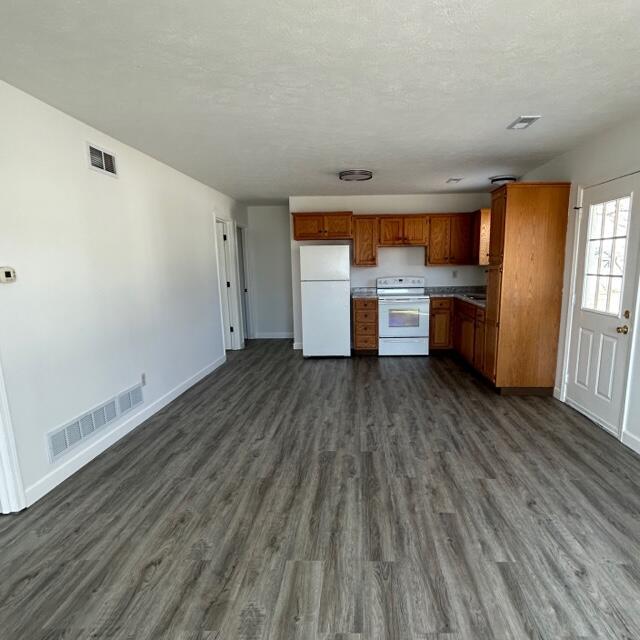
(557,394)
(96,447)
(633,442)
(273,335)
(297,345)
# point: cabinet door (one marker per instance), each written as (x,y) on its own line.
(478,346)
(365,241)
(496,233)
(391,231)
(456,334)
(439,236)
(467,337)
(440,329)
(415,230)
(492,322)
(484,224)
(338,225)
(308,226)
(462,239)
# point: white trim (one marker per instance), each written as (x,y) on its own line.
(265,335)
(566,352)
(609,428)
(297,345)
(248,258)
(12,495)
(633,442)
(237,337)
(96,447)
(243,232)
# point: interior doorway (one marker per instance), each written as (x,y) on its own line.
(224,271)
(606,288)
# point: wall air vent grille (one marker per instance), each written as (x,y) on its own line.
(62,440)
(130,399)
(102,160)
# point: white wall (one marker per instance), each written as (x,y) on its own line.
(116,276)
(405,261)
(608,155)
(269,259)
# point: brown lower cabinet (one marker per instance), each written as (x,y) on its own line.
(459,325)
(479,341)
(464,323)
(365,324)
(440,326)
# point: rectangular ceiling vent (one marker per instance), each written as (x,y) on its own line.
(102,160)
(65,438)
(523,122)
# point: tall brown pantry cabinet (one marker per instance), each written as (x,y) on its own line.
(524,284)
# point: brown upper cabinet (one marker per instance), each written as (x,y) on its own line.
(439,239)
(452,239)
(403,230)
(391,231)
(335,225)
(483,223)
(496,237)
(365,241)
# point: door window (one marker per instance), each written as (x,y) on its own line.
(404,318)
(605,256)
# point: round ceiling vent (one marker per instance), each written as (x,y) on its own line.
(500,180)
(355,175)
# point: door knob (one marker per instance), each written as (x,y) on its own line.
(623,329)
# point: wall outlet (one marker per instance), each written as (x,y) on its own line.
(143,379)
(454,273)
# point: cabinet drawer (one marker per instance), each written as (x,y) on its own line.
(440,303)
(366,342)
(366,329)
(367,315)
(365,303)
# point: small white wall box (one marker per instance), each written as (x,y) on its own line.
(7,274)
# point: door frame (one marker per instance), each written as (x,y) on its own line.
(237,336)
(12,495)
(566,351)
(243,230)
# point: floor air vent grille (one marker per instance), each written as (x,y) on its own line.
(78,430)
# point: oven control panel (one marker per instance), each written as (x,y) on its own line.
(400,281)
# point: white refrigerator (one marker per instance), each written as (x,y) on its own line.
(326,300)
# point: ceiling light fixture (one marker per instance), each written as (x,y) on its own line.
(500,180)
(355,175)
(454,180)
(523,122)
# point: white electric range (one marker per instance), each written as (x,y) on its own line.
(403,316)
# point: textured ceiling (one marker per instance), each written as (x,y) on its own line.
(270,98)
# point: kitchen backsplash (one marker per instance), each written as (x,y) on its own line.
(409,261)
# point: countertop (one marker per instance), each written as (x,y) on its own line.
(462,293)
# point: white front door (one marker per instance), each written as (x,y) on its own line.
(606,289)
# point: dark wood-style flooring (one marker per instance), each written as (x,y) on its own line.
(354,499)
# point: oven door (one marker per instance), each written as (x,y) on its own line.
(400,318)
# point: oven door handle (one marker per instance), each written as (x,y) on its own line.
(404,300)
